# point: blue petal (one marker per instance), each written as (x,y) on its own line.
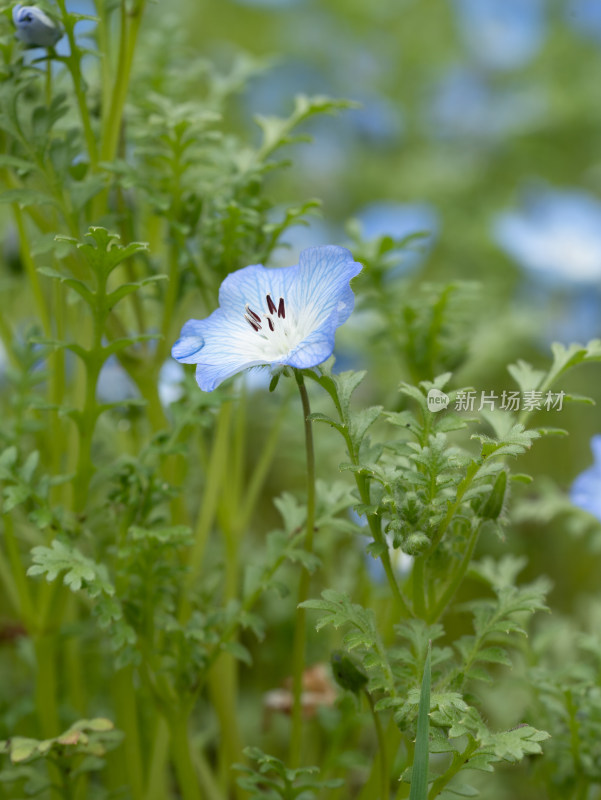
(220,346)
(586,489)
(315,348)
(322,287)
(189,343)
(251,285)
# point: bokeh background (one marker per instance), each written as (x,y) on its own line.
(479,124)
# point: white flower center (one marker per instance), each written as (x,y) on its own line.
(278,332)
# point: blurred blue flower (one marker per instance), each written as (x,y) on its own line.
(464,106)
(298,237)
(378,120)
(399,220)
(501,34)
(586,489)
(585,17)
(114,384)
(276,317)
(35,28)
(401,562)
(270,4)
(556,235)
(171,378)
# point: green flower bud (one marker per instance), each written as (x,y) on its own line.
(347,674)
(493,505)
(416,543)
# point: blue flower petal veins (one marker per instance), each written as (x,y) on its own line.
(34,27)
(286,316)
(586,489)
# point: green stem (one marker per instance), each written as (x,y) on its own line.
(457,763)
(127,721)
(130,26)
(46,685)
(465,484)
(363,487)
(187,778)
(382,749)
(73,62)
(419,591)
(260,469)
(208,506)
(457,578)
(300,633)
(18,574)
(156,784)
(32,273)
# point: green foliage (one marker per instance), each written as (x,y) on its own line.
(75,753)
(272,779)
(143,570)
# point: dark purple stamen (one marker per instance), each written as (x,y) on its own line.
(254,315)
(281,309)
(271,328)
(271,305)
(252,324)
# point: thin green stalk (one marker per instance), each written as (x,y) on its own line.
(208,506)
(32,273)
(300,633)
(419,590)
(46,684)
(73,62)
(223,676)
(372,520)
(127,721)
(260,468)
(382,750)
(465,484)
(187,777)
(102,32)
(156,788)
(170,299)
(456,579)
(56,387)
(130,26)
(457,763)
(19,579)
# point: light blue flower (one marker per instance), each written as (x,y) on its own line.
(501,34)
(114,384)
(286,316)
(585,17)
(171,380)
(399,220)
(35,28)
(465,106)
(586,489)
(556,235)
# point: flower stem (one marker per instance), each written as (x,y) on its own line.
(300,633)
(458,576)
(382,748)
(187,778)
